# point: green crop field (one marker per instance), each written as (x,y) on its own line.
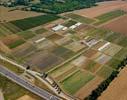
(76,81)
(26,34)
(16,43)
(40,31)
(105,72)
(31,22)
(109,16)
(80,18)
(69,23)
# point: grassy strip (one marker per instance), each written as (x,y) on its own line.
(80,18)
(109,16)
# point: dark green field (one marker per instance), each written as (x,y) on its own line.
(31,22)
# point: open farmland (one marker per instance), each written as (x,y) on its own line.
(109,16)
(76,53)
(116,25)
(8,14)
(77,80)
(31,22)
(80,18)
(103,7)
(117,90)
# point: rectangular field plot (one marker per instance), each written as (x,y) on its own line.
(80,18)
(92,66)
(104,72)
(121,54)
(63,52)
(75,46)
(26,34)
(40,31)
(11,27)
(43,60)
(76,81)
(69,23)
(24,50)
(117,25)
(61,70)
(109,16)
(114,63)
(12,41)
(31,22)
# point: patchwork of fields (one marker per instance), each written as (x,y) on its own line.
(78,52)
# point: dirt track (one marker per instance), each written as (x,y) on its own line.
(117,90)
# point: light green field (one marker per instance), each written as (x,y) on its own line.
(40,31)
(121,54)
(80,18)
(104,72)
(76,81)
(109,16)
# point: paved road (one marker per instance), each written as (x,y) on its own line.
(34,89)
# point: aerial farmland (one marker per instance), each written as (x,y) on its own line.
(78,50)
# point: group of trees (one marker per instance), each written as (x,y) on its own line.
(60,6)
(97,92)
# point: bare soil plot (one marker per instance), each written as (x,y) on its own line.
(89,53)
(43,60)
(117,90)
(118,25)
(45,45)
(87,89)
(103,7)
(75,46)
(9,39)
(90,65)
(54,37)
(63,41)
(8,15)
(79,61)
(26,97)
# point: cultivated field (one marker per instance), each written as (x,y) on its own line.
(117,90)
(118,25)
(8,14)
(103,7)
(78,56)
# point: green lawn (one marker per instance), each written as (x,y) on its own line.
(77,80)
(31,22)
(109,16)
(80,18)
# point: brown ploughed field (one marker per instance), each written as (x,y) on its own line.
(103,7)
(118,25)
